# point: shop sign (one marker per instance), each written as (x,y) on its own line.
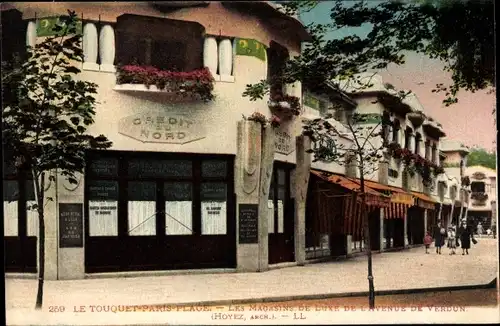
(283,143)
(161,128)
(70,225)
(248,223)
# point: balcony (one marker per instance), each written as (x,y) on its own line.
(156,55)
(197,84)
(479,197)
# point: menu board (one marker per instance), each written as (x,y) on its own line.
(70,225)
(248,223)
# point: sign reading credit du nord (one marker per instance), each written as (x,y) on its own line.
(153,127)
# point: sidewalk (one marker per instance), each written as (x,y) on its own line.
(400,270)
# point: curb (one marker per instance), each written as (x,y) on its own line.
(490,285)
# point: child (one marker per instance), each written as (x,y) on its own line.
(452,244)
(427,241)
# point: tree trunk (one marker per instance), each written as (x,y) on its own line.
(40,191)
(366,227)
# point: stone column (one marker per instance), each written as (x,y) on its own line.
(71,262)
(382,216)
(51,231)
(90,47)
(425,220)
(266,173)
(301,178)
(405,220)
(31,34)
(107,48)
(450,219)
(247,177)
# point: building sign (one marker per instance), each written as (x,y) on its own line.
(161,128)
(45,26)
(248,223)
(70,225)
(283,143)
(252,48)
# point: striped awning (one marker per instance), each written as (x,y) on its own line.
(423,200)
(396,211)
(373,197)
(398,195)
(353,216)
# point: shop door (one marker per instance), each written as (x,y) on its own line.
(281,218)
(19,235)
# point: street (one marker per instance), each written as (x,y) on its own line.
(409,269)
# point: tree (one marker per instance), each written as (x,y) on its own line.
(479,156)
(368,143)
(460,33)
(46,117)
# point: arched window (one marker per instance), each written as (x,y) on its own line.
(276,59)
(434,153)
(386,119)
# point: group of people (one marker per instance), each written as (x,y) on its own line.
(453,237)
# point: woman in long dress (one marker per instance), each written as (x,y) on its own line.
(439,237)
(465,237)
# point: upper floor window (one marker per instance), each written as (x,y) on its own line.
(276,59)
(166,44)
(434,153)
(478,186)
(395,130)
(427,150)
(408,135)
(418,140)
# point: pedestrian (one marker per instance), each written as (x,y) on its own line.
(427,241)
(465,235)
(439,237)
(479,229)
(451,240)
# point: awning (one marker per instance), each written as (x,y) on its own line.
(396,211)
(423,200)
(398,196)
(373,197)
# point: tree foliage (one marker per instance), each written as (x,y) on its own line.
(482,157)
(46,114)
(460,33)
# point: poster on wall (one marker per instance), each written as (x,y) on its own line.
(248,223)
(70,225)
(103,218)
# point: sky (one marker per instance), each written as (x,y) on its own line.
(469,121)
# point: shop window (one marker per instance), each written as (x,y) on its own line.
(10,208)
(141,208)
(213,208)
(277,201)
(178,208)
(166,44)
(103,207)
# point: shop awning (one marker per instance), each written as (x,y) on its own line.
(398,195)
(373,197)
(423,200)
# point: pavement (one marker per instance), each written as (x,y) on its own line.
(393,272)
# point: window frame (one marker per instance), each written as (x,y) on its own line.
(196,179)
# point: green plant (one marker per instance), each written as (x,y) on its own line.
(45,123)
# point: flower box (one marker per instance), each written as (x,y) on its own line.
(285,106)
(479,196)
(197,83)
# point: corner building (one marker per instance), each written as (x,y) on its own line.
(183,173)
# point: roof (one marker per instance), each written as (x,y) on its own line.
(448,145)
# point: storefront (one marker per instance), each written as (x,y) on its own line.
(334,219)
(427,207)
(147,211)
